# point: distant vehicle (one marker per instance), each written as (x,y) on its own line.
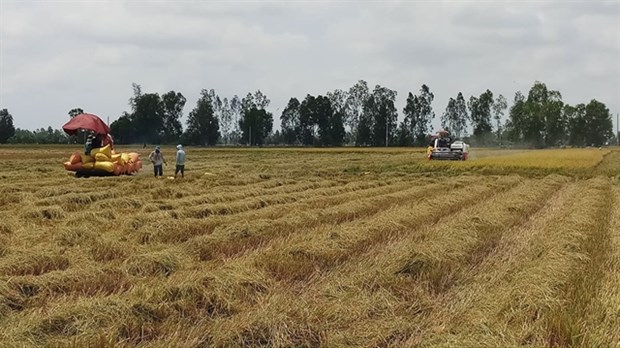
(442,147)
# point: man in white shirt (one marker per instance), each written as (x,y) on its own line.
(180,161)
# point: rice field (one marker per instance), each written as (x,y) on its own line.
(342,247)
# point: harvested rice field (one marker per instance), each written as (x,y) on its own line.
(313,248)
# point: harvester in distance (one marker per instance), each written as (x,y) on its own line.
(442,147)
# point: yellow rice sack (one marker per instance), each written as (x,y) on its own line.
(87,159)
(105,166)
(106,150)
(101,157)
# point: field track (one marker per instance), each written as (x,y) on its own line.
(313,248)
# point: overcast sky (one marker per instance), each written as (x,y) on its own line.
(57,55)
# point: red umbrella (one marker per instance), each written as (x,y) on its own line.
(86,121)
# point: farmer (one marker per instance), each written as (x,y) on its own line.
(88,145)
(96,141)
(180,162)
(157,158)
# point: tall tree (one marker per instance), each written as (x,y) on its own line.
(403,134)
(384,115)
(576,124)
(173,104)
(338,99)
(75,111)
(226,120)
(460,126)
(289,122)
(337,132)
(148,117)
(419,114)
(540,120)
(555,122)
(7,130)
(515,125)
(235,110)
(499,107)
(356,99)
(202,124)
(308,120)
(426,109)
(137,93)
(480,114)
(449,119)
(598,123)
(255,123)
(123,130)
(365,123)
(261,101)
(323,114)
(412,115)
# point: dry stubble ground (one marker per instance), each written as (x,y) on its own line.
(313,247)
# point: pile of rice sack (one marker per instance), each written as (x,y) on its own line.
(104,159)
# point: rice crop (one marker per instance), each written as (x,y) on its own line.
(337,247)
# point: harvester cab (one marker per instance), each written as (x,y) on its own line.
(443,147)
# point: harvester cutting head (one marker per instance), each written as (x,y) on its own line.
(442,147)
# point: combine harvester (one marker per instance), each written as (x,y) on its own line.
(442,147)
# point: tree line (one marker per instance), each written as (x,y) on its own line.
(156,119)
(358,116)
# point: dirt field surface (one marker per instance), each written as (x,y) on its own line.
(313,248)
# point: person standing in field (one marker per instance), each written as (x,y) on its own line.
(157,158)
(88,145)
(180,162)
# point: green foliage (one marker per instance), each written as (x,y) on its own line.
(255,123)
(153,118)
(319,123)
(289,122)
(225,116)
(599,128)
(307,120)
(576,123)
(356,98)
(363,135)
(337,132)
(123,129)
(173,104)
(480,115)
(449,117)
(147,117)
(403,134)
(323,113)
(74,112)
(459,128)
(499,107)
(543,120)
(382,109)
(7,130)
(419,114)
(202,124)
(39,136)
